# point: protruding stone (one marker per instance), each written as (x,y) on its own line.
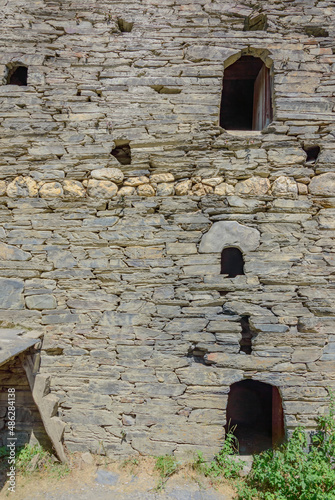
(302,188)
(22,187)
(109,174)
(128,420)
(229,234)
(284,186)
(224,189)
(255,186)
(213,181)
(101,189)
(51,190)
(74,189)
(136,181)
(182,188)
(145,190)
(126,191)
(323,185)
(159,178)
(200,189)
(165,189)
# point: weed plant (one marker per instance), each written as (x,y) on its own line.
(166,465)
(296,471)
(30,459)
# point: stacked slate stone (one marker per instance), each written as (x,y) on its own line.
(119,190)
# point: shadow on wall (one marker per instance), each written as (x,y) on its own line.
(28,423)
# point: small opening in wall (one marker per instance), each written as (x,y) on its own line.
(246,95)
(312,153)
(18,76)
(124,26)
(161,89)
(232,262)
(247,336)
(197,355)
(255,23)
(316,31)
(122,153)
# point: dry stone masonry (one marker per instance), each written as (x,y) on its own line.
(119,190)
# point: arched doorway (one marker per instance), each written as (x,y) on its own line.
(255,414)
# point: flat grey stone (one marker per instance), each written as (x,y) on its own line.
(12,344)
(225,234)
(40,302)
(106,477)
(9,252)
(11,296)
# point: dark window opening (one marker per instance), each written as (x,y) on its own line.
(246,95)
(124,26)
(316,31)
(255,23)
(312,153)
(122,153)
(232,262)
(255,416)
(247,336)
(18,76)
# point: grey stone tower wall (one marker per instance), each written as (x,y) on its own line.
(108,259)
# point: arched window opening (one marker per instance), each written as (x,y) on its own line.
(18,76)
(232,262)
(255,416)
(246,95)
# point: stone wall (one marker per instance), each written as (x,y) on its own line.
(141,332)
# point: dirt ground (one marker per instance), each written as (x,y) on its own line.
(116,481)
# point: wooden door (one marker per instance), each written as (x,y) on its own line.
(278,431)
(262,108)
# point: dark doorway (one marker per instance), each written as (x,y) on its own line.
(246,95)
(255,414)
(18,76)
(232,262)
